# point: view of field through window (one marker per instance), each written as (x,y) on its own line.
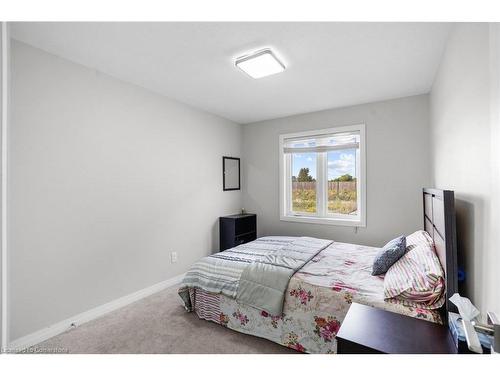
(304,183)
(342,182)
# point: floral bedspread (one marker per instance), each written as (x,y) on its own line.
(317,300)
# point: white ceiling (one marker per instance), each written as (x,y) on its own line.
(328,64)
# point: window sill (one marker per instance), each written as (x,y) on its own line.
(323,220)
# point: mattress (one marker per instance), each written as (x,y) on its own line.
(316,301)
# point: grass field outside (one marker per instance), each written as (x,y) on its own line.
(340,200)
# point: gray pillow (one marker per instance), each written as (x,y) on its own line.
(388,255)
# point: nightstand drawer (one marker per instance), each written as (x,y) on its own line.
(244,238)
(349,347)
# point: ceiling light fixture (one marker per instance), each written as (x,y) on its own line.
(260,64)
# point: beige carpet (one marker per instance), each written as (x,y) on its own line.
(157,324)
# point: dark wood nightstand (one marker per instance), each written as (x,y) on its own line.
(238,229)
(368,330)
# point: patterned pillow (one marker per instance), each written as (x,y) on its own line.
(388,255)
(417,279)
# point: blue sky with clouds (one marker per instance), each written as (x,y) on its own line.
(339,163)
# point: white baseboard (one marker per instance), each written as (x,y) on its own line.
(60,327)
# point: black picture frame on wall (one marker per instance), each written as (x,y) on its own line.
(228,167)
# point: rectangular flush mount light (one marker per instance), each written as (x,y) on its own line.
(260,64)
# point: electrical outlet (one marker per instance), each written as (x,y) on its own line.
(173,257)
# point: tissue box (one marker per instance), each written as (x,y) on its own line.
(458,335)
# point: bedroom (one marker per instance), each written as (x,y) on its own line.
(159,196)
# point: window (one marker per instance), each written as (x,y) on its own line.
(322,176)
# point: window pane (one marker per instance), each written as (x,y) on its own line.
(342,181)
(304,182)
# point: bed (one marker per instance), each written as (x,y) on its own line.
(319,291)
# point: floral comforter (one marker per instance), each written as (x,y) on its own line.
(316,302)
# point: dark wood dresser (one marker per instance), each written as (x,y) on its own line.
(235,230)
(368,330)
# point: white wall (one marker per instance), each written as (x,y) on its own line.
(397,149)
(492,259)
(462,132)
(3,55)
(106,178)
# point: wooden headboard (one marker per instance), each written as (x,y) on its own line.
(439,222)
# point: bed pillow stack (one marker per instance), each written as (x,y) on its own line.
(417,279)
(389,255)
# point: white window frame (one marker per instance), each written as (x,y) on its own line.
(321,216)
